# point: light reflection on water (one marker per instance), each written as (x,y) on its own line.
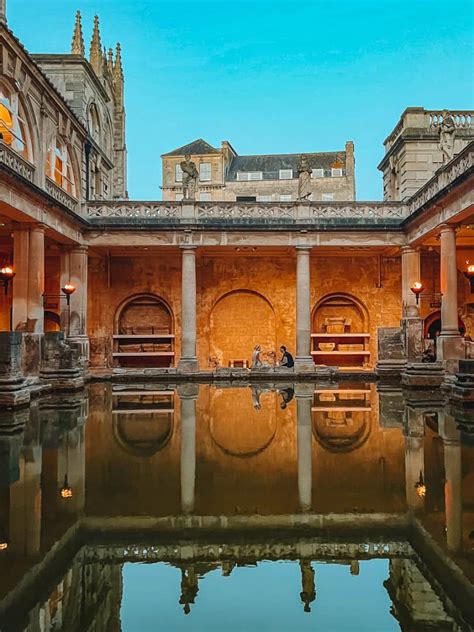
(268,452)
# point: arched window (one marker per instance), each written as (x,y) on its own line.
(13,127)
(94,123)
(59,168)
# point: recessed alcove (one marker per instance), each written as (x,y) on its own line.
(144,332)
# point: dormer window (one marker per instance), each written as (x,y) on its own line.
(249,175)
(286,174)
(59,168)
(13,127)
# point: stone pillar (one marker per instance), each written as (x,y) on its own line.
(78,263)
(25,504)
(21,240)
(412,324)
(414,457)
(303,361)
(188,361)
(64,277)
(453,481)
(188,396)
(36,280)
(450,345)
(304,400)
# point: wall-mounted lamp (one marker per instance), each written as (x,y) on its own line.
(6,276)
(420,486)
(4,541)
(469,274)
(417,288)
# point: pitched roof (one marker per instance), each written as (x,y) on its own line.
(270,164)
(197,147)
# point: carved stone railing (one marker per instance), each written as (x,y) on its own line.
(249,551)
(241,212)
(126,209)
(462,164)
(61,196)
(16,163)
(463,119)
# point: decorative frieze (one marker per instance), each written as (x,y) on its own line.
(16,163)
(61,196)
(128,209)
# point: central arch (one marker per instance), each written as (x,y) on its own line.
(239,320)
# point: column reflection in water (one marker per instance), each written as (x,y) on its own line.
(72,468)
(25,493)
(304,400)
(414,458)
(188,395)
(453,481)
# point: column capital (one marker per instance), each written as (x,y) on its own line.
(447,228)
(190,247)
(80,249)
(39,228)
(303,247)
(408,249)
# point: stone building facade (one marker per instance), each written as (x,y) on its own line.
(179,286)
(224,175)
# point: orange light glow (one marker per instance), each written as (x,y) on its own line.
(68,289)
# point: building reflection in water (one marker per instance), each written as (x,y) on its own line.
(275,450)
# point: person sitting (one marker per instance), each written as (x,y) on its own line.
(286,358)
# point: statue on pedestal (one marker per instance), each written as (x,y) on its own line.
(446,130)
(190,176)
(304,179)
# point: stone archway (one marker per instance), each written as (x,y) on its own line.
(239,320)
(341,305)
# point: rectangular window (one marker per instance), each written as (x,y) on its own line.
(205,172)
(286,174)
(249,175)
(178,197)
(317,173)
(264,198)
(336,173)
(285,197)
(178,173)
(205,197)
(328,197)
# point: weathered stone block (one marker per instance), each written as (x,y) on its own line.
(61,365)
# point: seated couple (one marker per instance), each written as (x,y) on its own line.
(286,359)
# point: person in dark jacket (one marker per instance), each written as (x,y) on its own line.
(286,358)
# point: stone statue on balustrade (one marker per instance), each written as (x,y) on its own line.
(447,130)
(190,176)
(304,179)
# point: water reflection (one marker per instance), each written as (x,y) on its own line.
(242,477)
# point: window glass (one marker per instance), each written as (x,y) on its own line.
(336,172)
(317,173)
(205,171)
(178,173)
(13,126)
(328,197)
(285,197)
(59,168)
(264,198)
(286,174)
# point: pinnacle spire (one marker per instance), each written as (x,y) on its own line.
(77,45)
(118,70)
(95,57)
(110,61)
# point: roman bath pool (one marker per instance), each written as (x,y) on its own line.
(336,507)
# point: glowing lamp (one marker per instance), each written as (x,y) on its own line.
(6,276)
(66,490)
(67,290)
(420,486)
(469,274)
(417,288)
(4,542)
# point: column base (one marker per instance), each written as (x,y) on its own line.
(304,364)
(450,348)
(188,365)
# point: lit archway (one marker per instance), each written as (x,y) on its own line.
(343,306)
(239,320)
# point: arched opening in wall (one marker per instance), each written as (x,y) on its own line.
(14,129)
(52,322)
(340,331)
(240,320)
(144,332)
(432,326)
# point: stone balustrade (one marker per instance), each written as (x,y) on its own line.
(14,162)
(61,196)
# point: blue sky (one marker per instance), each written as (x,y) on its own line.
(270,76)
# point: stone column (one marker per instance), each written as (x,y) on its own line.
(412,324)
(188,361)
(64,277)
(21,240)
(304,400)
(450,344)
(303,361)
(78,263)
(453,481)
(411,272)
(36,280)
(414,457)
(188,396)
